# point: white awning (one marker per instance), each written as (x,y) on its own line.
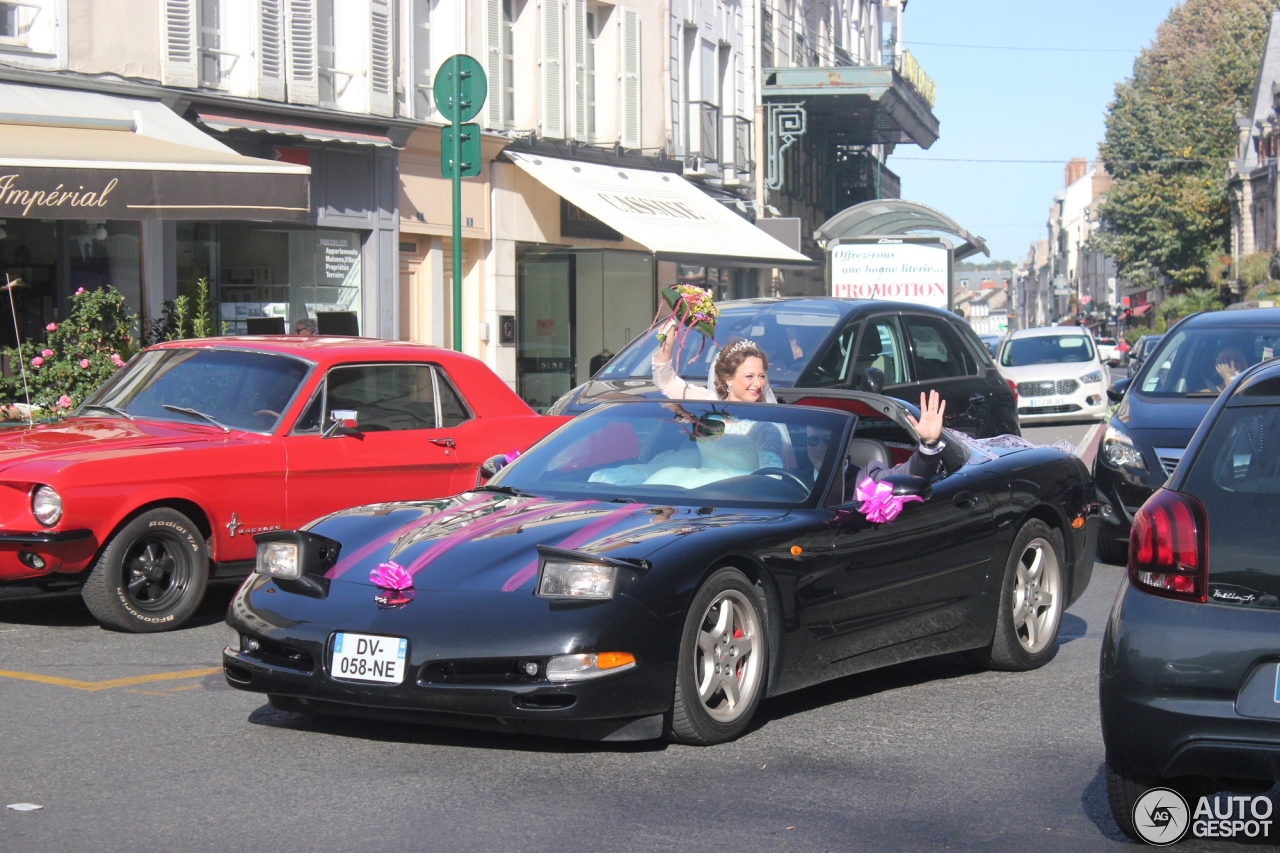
(661,211)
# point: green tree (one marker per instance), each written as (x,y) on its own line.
(1170,132)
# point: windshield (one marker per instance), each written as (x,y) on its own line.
(242,390)
(685,453)
(1047,349)
(789,333)
(1199,362)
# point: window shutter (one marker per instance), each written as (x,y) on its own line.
(578,9)
(301,52)
(553,69)
(631,135)
(381,71)
(179,57)
(493,62)
(271,50)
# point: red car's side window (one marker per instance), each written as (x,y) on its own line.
(453,410)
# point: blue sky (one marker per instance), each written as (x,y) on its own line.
(1015,104)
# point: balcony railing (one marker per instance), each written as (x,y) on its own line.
(704,131)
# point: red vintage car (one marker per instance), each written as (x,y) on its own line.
(161,478)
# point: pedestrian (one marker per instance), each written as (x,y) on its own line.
(304,326)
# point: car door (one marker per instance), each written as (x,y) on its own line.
(399,450)
(940,362)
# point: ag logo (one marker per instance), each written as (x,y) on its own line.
(1161,817)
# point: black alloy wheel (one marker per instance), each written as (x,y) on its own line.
(151,576)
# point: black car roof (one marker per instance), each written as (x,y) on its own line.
(1241,317)
(847,307)
(1251,383)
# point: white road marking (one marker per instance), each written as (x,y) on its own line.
(1089,436)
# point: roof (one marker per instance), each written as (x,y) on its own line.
(847,306)
(1242,317)
(886,217)
(1050,331)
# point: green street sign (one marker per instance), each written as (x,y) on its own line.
(464,102)
(470,150)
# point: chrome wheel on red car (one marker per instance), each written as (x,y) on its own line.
(151,576)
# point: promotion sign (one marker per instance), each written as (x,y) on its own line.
(899,269)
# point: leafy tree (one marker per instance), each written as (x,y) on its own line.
(1194,301)
(1170,132)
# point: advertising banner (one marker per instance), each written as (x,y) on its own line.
(898,269)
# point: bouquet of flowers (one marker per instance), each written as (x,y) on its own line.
(693,307)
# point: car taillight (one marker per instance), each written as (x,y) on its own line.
(1168,544)
(1013,386)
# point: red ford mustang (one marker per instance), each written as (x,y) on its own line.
(160,479)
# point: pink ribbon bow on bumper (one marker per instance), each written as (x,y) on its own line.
(391,576)
(879,504)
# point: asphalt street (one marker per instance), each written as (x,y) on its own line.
(135,743)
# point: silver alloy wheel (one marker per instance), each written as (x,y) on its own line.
(727,667)
(1037,596)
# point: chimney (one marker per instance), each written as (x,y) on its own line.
(1076,167)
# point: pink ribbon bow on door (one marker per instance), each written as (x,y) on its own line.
(879,504)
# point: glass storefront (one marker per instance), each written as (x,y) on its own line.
(576,309)
(723,282)
(55,258)
(264,277)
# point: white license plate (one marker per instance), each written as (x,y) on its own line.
(1045,402)
(366,657)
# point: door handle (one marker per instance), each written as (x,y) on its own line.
(442,442)
(978,399)
(965,500)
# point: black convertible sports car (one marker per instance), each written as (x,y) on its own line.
(658,568)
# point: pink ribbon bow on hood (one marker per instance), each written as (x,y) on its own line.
(879,504)
(391,576)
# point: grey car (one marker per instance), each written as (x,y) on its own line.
(1190,696)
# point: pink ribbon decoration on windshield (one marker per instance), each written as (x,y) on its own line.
(879,504)
(512,456)
(391,576)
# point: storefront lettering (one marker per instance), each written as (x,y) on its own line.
(56,197)
(889,290)
(651,206)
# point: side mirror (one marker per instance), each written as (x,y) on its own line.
(490,467)
(1116,392)
(873,380)
(905,485)
(343,422)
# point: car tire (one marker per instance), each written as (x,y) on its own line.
(707,707)
(1115,553)
(1032,600)
(151,576)
(1125,788)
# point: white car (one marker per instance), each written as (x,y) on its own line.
(1057,373)
(1107,350)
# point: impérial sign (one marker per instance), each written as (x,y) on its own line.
(900,269)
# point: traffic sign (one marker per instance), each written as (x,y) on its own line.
(472,89)
(470,150)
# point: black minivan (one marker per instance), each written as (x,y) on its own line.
(1163,404)
(894,348)
(1190,666)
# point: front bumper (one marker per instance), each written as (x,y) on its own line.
(1121,493)
(1173,686)
(1089,402)
(486,636)
(32,555)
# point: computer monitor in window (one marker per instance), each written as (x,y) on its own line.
(264,325)
(337,323)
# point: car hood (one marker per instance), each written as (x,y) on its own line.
(76,436)
(1168,423)
(1033,372)
(488,541)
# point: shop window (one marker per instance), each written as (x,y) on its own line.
(386,397)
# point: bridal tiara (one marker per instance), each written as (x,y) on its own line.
(737,345)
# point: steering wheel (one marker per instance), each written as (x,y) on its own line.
(266,412)
(781,472)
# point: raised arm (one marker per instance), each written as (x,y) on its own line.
(664,374)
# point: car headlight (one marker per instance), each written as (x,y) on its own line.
(1119,450)
(583,667)
(278,559)
(1091,378)
(46,506)
(576,580)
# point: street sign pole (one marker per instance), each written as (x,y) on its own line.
(456,154)
(460,90)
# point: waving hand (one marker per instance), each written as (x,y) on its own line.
(929,427)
